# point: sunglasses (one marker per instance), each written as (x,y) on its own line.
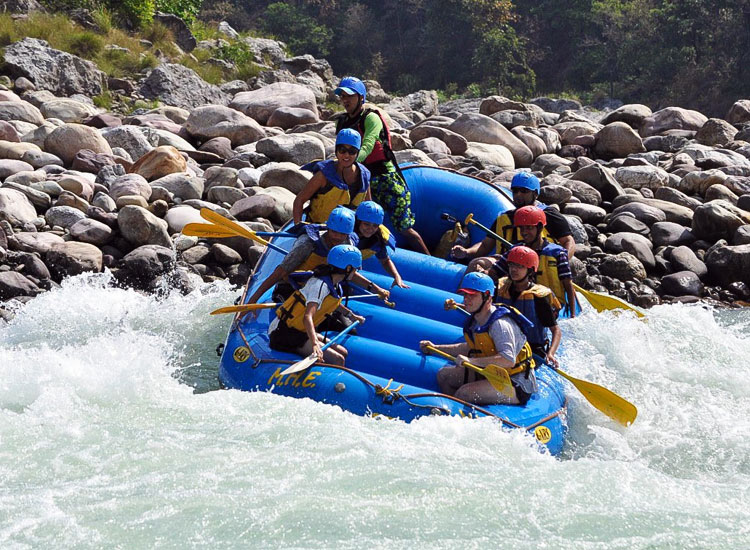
(346,149)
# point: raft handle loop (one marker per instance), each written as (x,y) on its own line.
(390,395)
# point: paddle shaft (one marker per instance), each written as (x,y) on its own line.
(312,358)
(252,307)
(499,382)
(241,230)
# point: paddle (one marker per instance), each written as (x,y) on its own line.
(608,402)
(213,231)
(238,229)
(312,358)
(617,408)
(497,376)
(252,307)
(599,301)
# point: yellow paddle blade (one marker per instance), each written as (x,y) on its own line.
(497,376)
(207,230)
(608,402)
(605,302)
(242,308)
(239,229)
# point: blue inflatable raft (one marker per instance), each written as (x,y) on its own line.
(385,372)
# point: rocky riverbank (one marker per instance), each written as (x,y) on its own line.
(659,201)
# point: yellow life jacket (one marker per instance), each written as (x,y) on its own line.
(292,311)
(505,228)
(547,274)
(383,240)
(524,302)
(319,255)
(336,192)
(481,343)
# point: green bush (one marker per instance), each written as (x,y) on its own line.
(300,31)
(86,44)
(187,10)
(139,12)
(103,100)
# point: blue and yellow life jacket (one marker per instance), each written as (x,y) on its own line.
(319,255)
(481,343)
(505,228)
(292,311)
(380,244)
(336,192)
(525,304)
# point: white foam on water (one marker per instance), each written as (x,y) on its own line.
(105,442)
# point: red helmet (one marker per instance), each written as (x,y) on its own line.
(529,215)
(523,255)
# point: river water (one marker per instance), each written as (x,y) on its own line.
(113,435)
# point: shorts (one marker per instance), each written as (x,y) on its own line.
(288,339)
(390,191)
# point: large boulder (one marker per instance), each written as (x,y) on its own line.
(21,111)
(623,267)
(739,112)
(600,178)
(61,73)
(456,142)
(682,283)
(130,138)
(729,264)
(672,118)
(212,121)
(139,227)
(260,104)
(181,32)
(483,129)
(67,110)
(73,258)
(289,117)
(149,261)
(718,219)
(297,148)
(159,162)
(490,154)
(637,177)
(617,140)
(180,86)
(631,114)
(65,141)
(716,132)
(16,208)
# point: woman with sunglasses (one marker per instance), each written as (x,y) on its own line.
(389,188)
(340,182)
(375,239)
(294,329)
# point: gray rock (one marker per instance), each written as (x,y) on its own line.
(225,255)
(742,235)
(682,283)
(289,117)
(636,177)
(587,212)
(91,231)
(180,86)
(181,185)
(617,140)
(583,191)
(260,104)
(720,192)
(670,234)
(130,138)
(213,121)
(672,118)
(257,206)
(13,284)
(678,197)
(556,105)
(631,114)
(627,224)
(139,226)
(59,72)
(683,258)
(718,220)
(674,212)
(642,212)
(623,267)
(555,194)
(716,132)
(223,194)
(482,129)
(73,258)
(63,216)
(297,148)
(181,32)
(149,261)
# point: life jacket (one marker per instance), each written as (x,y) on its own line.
(525,304)
(481,343)
(336,192)
(382,151)
(319,255)
(547,275)
(292,311)
(505,228)
(381,241)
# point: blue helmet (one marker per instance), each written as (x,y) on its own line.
(477,282)
(525,180)
(344,256)
(341,220)
(351,85)
(347,136)
(370,211)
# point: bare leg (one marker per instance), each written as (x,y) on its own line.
(335,355)
(415,240)
(450,379)
(482,393)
